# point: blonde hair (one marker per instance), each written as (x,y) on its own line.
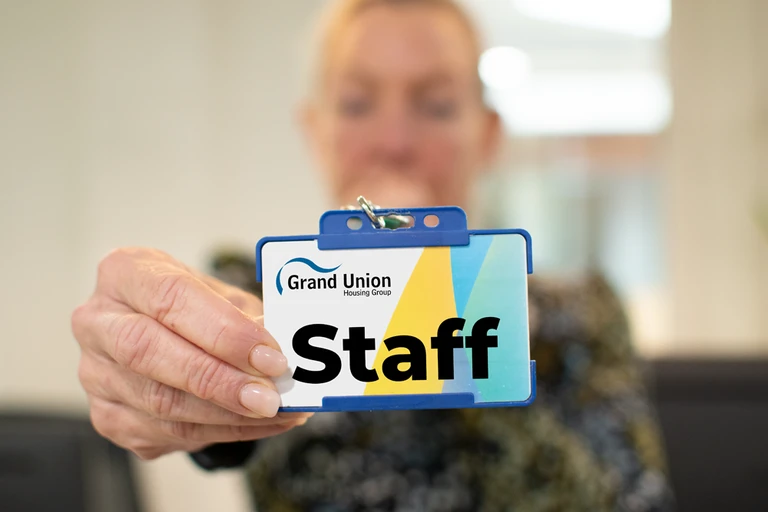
(342,12)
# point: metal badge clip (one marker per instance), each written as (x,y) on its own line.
(391,221)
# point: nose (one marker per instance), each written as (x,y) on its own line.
(395,138)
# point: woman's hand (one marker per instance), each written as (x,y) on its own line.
(175,360)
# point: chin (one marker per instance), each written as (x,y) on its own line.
(394,195)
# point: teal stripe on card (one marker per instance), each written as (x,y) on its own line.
(466,262)
(501,290)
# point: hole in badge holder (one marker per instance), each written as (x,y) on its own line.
(393,221)
(431,221)
(354,223)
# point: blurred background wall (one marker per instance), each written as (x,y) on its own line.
(171,124)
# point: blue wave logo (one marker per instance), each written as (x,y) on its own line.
(311,264)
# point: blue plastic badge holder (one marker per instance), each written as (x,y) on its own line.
(335,234)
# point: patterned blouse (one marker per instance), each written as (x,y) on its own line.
(590,441)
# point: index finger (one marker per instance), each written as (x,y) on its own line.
(190,308)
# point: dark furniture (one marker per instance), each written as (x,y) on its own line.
(714,415)
(50,463)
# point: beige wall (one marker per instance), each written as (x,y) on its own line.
(165,124)
(716,173)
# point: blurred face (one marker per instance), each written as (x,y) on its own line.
(398,117)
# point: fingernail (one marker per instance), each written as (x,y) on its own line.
(268,360)
(260,399)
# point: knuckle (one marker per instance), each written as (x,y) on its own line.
(241,432)
(100,381)
(168,295)
(124,431)
(133,259)
(144,447)
(147,452)
(246,302)
(222,331)
(103,420)
(106,264)
(85,373)
(110,263)
(82,321)
(78,320)
(134,342)
(205,377)
(163,401)
(183,430)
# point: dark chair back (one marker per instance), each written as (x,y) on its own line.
(714,415)
(61,464)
